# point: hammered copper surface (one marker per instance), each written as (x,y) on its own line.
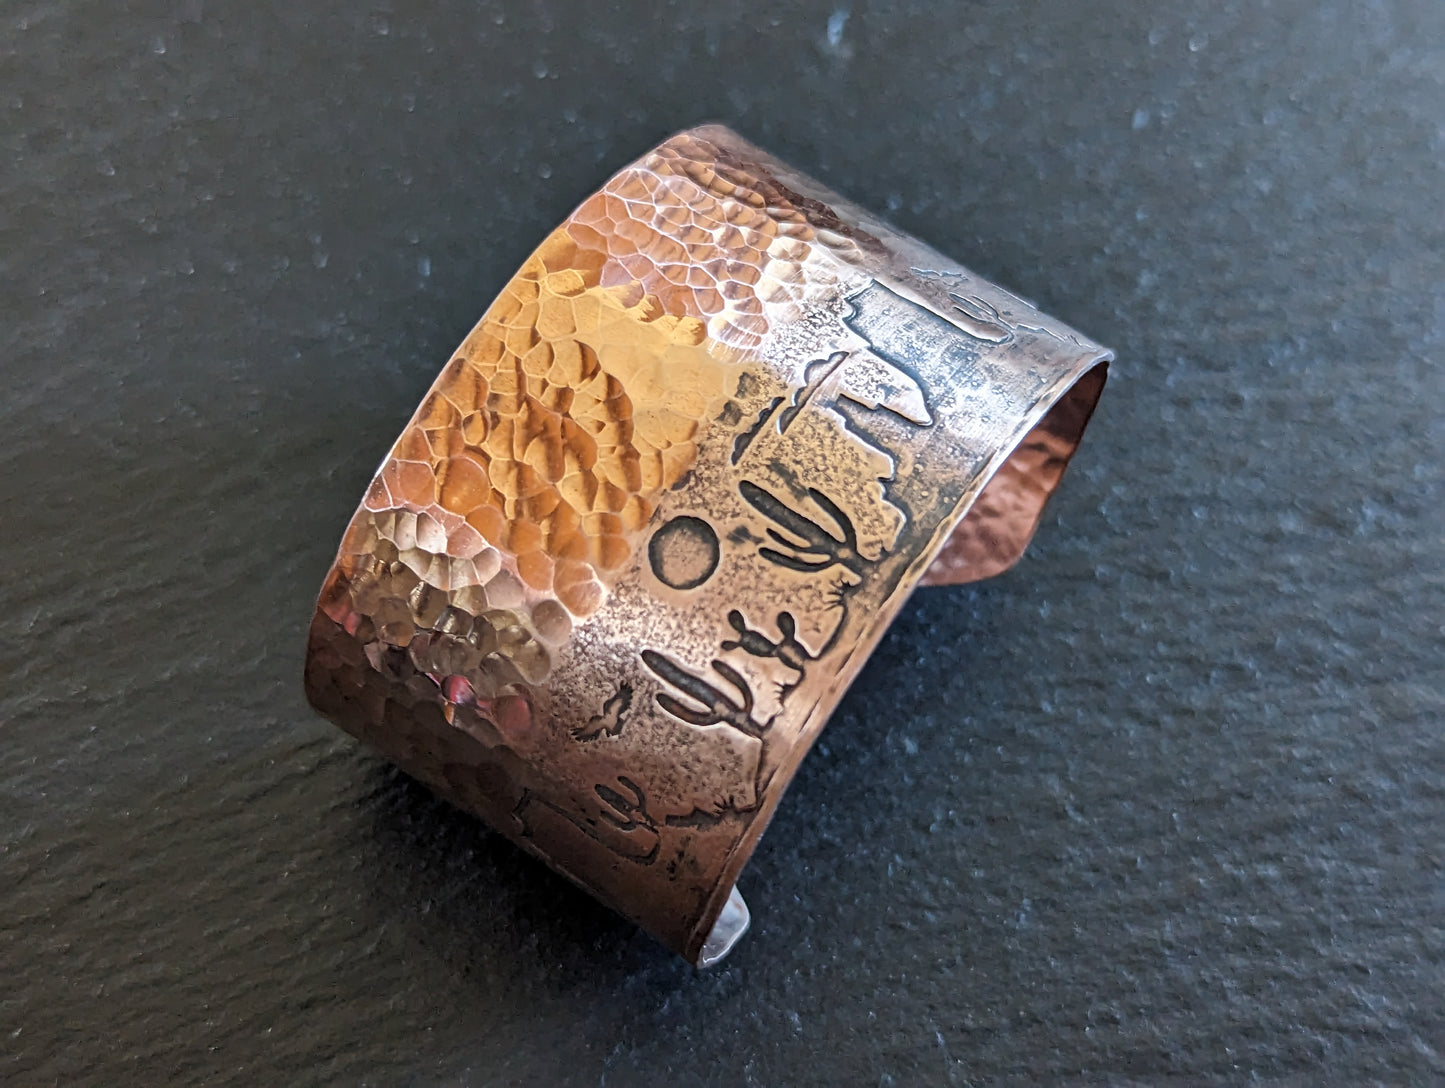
(656,510)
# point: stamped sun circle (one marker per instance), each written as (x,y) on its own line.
(684,552)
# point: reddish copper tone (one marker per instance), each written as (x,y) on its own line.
(663,501)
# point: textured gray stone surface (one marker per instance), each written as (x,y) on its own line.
(1169,798)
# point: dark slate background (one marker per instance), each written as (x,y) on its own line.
(1167,799)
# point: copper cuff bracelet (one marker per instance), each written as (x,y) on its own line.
(659,507)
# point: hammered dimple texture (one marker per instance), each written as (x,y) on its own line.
(537,457)
(519,485)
